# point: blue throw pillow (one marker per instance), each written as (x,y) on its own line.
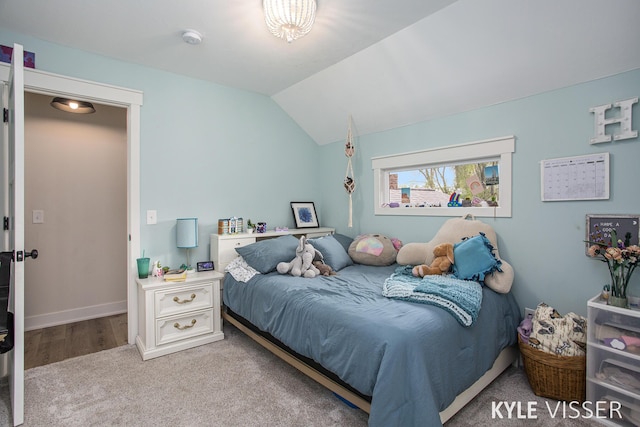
(345,241)
(265,255)
(332,251)
(474,259)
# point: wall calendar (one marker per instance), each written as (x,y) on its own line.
(575,178)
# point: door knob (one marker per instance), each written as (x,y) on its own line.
(33,254)
(20,256)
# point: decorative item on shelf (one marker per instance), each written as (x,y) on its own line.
(223,226)
(156,270)
(304,213)
(261,227)
(231,225)
(187,235)
(250,226)
(29,58)
(621,259)
(454,200)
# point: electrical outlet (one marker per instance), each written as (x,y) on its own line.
(528,312)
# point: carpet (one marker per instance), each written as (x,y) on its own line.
(233,382)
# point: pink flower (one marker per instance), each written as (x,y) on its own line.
(614,254)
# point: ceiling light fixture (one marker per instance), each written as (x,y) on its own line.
(73,106)
(192,37)
(289,19)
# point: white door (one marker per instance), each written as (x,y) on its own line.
(16,231)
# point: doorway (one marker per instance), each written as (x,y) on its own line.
(37,81)
(76,213)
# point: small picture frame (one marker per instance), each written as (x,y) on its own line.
(204,266)
(304,213)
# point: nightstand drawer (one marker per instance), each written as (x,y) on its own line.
(185,326)
(183,299)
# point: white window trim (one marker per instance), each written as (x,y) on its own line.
(491,148)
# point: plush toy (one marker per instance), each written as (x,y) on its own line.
(324,269)
(441,264)
(302,264)
(454,230)
(374,249)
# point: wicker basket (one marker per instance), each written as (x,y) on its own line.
(556,377)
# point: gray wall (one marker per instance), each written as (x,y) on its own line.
(75,171)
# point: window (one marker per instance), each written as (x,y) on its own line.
(448,181)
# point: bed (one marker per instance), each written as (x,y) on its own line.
(406,364)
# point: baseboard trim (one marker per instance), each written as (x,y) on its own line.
(74,315)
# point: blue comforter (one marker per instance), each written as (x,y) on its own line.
(412,359)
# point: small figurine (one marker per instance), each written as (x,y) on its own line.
(454,200)
(157,270)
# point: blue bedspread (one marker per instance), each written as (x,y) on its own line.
(461,298)
(412,359)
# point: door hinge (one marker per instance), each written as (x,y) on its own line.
(5,223)
(5,115)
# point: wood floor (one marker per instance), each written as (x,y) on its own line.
(49,345)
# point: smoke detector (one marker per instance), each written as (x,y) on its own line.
(192,37)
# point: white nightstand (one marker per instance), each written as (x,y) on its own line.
(174,316)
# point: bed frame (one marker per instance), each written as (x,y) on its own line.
(329,380)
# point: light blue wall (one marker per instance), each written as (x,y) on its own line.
(542,240)
(207,150)
(212,151)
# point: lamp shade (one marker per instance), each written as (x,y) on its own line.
(187,233)
(289,19)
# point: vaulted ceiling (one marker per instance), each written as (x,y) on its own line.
(387,63)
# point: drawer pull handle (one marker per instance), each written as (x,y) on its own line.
(184,301)
(182,328)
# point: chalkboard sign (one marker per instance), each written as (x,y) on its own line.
(600,227)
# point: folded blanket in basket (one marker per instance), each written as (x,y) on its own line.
(556,334)
(461,298)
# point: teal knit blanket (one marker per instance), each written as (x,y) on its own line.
(461,298)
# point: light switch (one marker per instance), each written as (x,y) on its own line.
(152,217)
(37,216)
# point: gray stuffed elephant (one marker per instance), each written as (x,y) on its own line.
(302,264)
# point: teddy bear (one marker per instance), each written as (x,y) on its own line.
(325,270)
(302,264)
(442,261)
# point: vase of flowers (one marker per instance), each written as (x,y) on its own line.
(621,259)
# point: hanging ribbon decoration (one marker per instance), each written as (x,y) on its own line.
(349,181)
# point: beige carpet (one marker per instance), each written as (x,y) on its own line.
(228,383)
